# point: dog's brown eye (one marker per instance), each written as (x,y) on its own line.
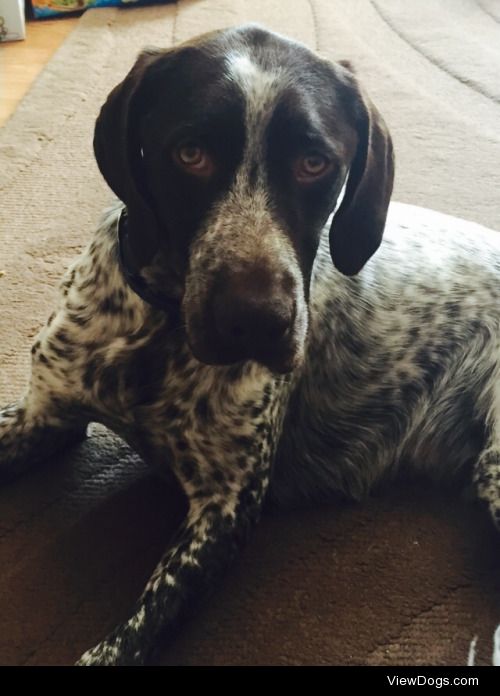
(193,158)
(311,167)
(191,155)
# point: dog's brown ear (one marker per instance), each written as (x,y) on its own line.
(118,153)
(347,65)
(358,225)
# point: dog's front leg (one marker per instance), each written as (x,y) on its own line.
(487,480)
(215,529)
(50,416)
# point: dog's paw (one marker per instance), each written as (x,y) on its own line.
(104,654)
(27,441)
(495,661)
(109,653)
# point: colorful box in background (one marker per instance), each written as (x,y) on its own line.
(12,27)
(52,8)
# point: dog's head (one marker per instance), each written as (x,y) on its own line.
(230,152)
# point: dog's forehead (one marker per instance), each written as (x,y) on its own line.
(251,63)
(236,86)
(260,86)
(262,63)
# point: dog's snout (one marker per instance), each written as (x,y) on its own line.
(252,322)
(253,317)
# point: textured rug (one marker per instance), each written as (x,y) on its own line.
(410,576)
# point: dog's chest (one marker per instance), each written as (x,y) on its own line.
(207,423)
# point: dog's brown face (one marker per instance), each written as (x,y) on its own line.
(230,153)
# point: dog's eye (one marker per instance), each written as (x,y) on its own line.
(191,155)
(193,158)
(311,166)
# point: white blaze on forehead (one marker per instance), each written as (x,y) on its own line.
(259,86)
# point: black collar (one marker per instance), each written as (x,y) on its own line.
(135,281)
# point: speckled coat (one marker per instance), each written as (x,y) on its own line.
(370,372)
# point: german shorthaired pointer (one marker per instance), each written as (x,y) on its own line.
(207,325)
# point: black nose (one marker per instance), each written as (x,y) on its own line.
(251,322)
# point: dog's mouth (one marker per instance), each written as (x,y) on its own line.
(248,313)
(276,346)
(281,360)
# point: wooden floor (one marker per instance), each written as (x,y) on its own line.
(21,61)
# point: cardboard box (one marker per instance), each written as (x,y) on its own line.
(52,8)
(12,26)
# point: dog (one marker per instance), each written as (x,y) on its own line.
(231,320)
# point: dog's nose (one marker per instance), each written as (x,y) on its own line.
(253,322)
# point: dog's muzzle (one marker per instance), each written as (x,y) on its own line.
(250,317)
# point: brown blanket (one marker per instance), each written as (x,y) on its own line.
(410,576)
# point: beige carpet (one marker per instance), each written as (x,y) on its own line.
(407,578)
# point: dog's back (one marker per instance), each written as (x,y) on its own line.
(402,361)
